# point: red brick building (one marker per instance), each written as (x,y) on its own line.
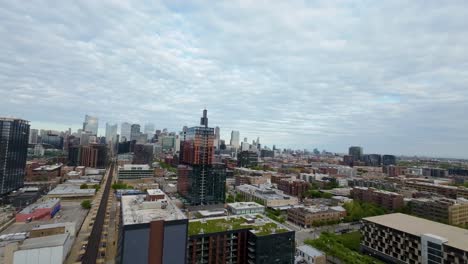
(293,187)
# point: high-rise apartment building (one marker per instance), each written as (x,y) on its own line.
(239,239)
(201,181)
(14,136)
(33,135)
(388,160)
(125,131)
(152,230)
(355,152)
(93,155)
(234,139)
(135,132)
(91,124)
(400,238)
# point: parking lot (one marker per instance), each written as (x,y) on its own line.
(70,211)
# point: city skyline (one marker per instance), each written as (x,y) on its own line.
(310,80)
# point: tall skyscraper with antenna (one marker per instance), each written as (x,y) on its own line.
(201,180)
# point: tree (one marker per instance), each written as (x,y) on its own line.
(96,187)
(84,186)
(86,204)
(230,199)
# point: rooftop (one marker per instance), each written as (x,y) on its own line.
(54,225)
(71,190)
(155,192)
(40,205)
(135,210)
(48,167)
(47,241)
(457,237)
(310,251)
(135,167)
(245,205)
(264,191)
(258,224)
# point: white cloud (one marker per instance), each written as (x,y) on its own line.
(295,73)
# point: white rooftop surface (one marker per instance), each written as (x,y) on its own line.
(47,241)
(135,167)
(135,210)
(39,205)
(64,189)
(155,192)
(245,205)
(264,191)
(310,251)
(208,213)
(457,237)
(48,167)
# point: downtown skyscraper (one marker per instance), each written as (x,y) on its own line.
(14,135)
(235,139)
(91,124)
(201,180)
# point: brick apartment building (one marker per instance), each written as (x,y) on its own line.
(388,200)
(293,187)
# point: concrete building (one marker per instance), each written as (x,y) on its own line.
(70,191)
(44,250)
(242,208)
(239,239)
(134,171)
(39,211)
(39,150)
(14,135)
(315,215)
(152,231)
(33,136)
(266,196)
(400,238)
(388,200)
(445,210)
(306,254)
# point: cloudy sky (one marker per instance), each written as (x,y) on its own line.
(390,76)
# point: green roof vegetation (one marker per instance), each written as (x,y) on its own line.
(344,247)
(234,223)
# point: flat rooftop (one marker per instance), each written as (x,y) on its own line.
(40,205)
(310,251)
(135,210)
(135,167)
(264,192)
(48,167)
(258,224)
(71,190)
(155,192)
(457,237)
(245,205)
(47,241)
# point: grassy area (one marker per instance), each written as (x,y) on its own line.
(343,247)
(232,223)
(357,210)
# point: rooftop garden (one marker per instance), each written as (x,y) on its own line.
(261,227)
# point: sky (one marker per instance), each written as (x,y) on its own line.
(390,76)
